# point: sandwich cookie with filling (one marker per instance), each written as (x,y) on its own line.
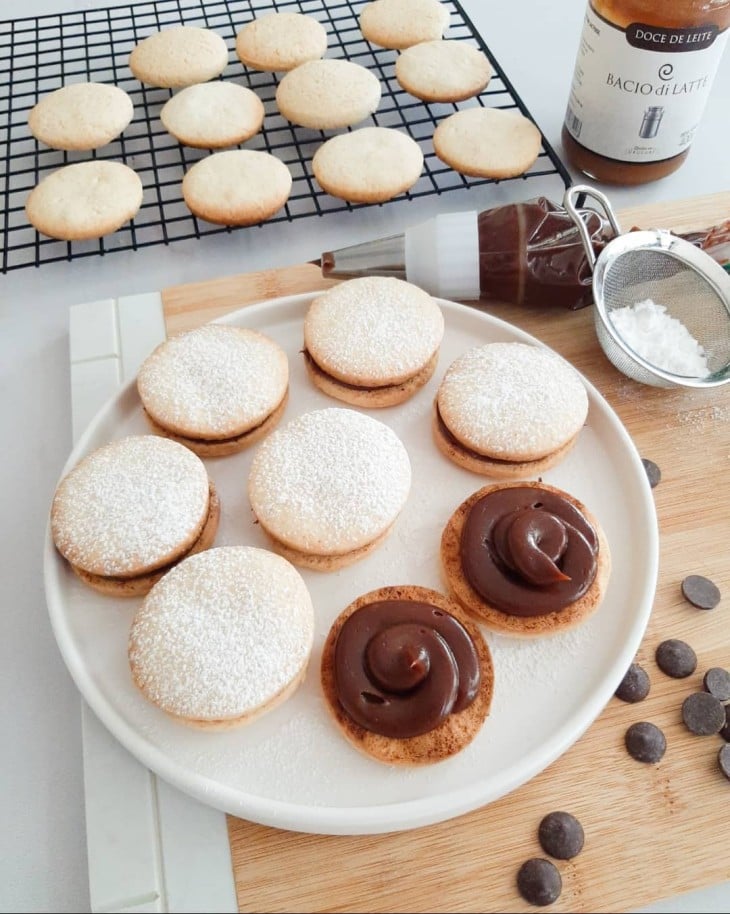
(372,341)
(525,558)
(407,676)
(130,510)
(509,410)
(216,389)
(223,638)
(328,486)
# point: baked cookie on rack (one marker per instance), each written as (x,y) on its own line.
(216,389)
(407,676)
(328,486)
(213,115)
(372,341)
(509,410)
(526,558)
(179,56)
(398,24)
(130,510)
(443,71)
(279,42)
(223,638)
(328,94)
(81,116)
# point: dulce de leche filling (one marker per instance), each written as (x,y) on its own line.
(401,667)
(527,551)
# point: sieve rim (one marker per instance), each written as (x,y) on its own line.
(679,249)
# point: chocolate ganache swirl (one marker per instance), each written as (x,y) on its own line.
(528,551)
(401,667)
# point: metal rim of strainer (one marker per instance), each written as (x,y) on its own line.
(656,240)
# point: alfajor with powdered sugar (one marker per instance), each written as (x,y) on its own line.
(328,486)
(372,341)
(130,510)
(509,410)
(223,638)
(216,389)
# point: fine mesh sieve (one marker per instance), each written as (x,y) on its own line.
(670,271)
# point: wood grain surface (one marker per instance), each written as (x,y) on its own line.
(652,831)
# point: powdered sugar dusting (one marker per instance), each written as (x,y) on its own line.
(373,330)
(130,506)
(222,633)
(329,481)
(512,400)
(215,381)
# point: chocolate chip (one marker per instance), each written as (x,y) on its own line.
(723,760)
(676,658)
(539,882)
(725,732)
(701,592)
(717,682)
(635,684)
(645,742)
(561,835)
(653,473)
(703,713)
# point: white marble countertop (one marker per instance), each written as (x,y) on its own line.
(43,862)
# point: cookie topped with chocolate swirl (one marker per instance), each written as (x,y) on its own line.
(525,558)
(407,676)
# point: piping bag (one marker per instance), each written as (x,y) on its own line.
(527,253)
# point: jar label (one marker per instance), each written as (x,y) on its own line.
(638,93)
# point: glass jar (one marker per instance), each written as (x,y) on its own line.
(643,73)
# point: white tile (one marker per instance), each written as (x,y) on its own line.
(121,822)
(141,327)
(196,854)
(93,330)
(92,384)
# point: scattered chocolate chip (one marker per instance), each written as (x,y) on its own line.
(645,742)
(654,474)
(725,732)
(561,835)
(676,658)
(635,684)
(701,592)
(703,713)
(717,682)
(723,760)
(539,881)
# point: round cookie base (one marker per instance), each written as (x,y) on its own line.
(325,562)
(209,447)
(140,585)
(493,467)
(233,722)
(496,620)
(444,741)
(370,397)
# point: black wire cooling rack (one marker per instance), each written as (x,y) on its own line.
(39,55)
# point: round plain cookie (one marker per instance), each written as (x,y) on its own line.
(216,388)
(81,116)
(237,187)
(372,341)
(398,24)
(328,486)
(223,638)
(487,142)
(453,733)
(509,410)
(443,71)
(369,165)
(328,94)
(280,41)
(179,56)
(130,509)
(213,115)
(85,200)
(484,610)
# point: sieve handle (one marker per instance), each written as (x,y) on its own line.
(569,202)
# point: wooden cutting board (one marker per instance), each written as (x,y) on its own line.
(652,831)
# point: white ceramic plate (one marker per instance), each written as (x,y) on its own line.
(291,768)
